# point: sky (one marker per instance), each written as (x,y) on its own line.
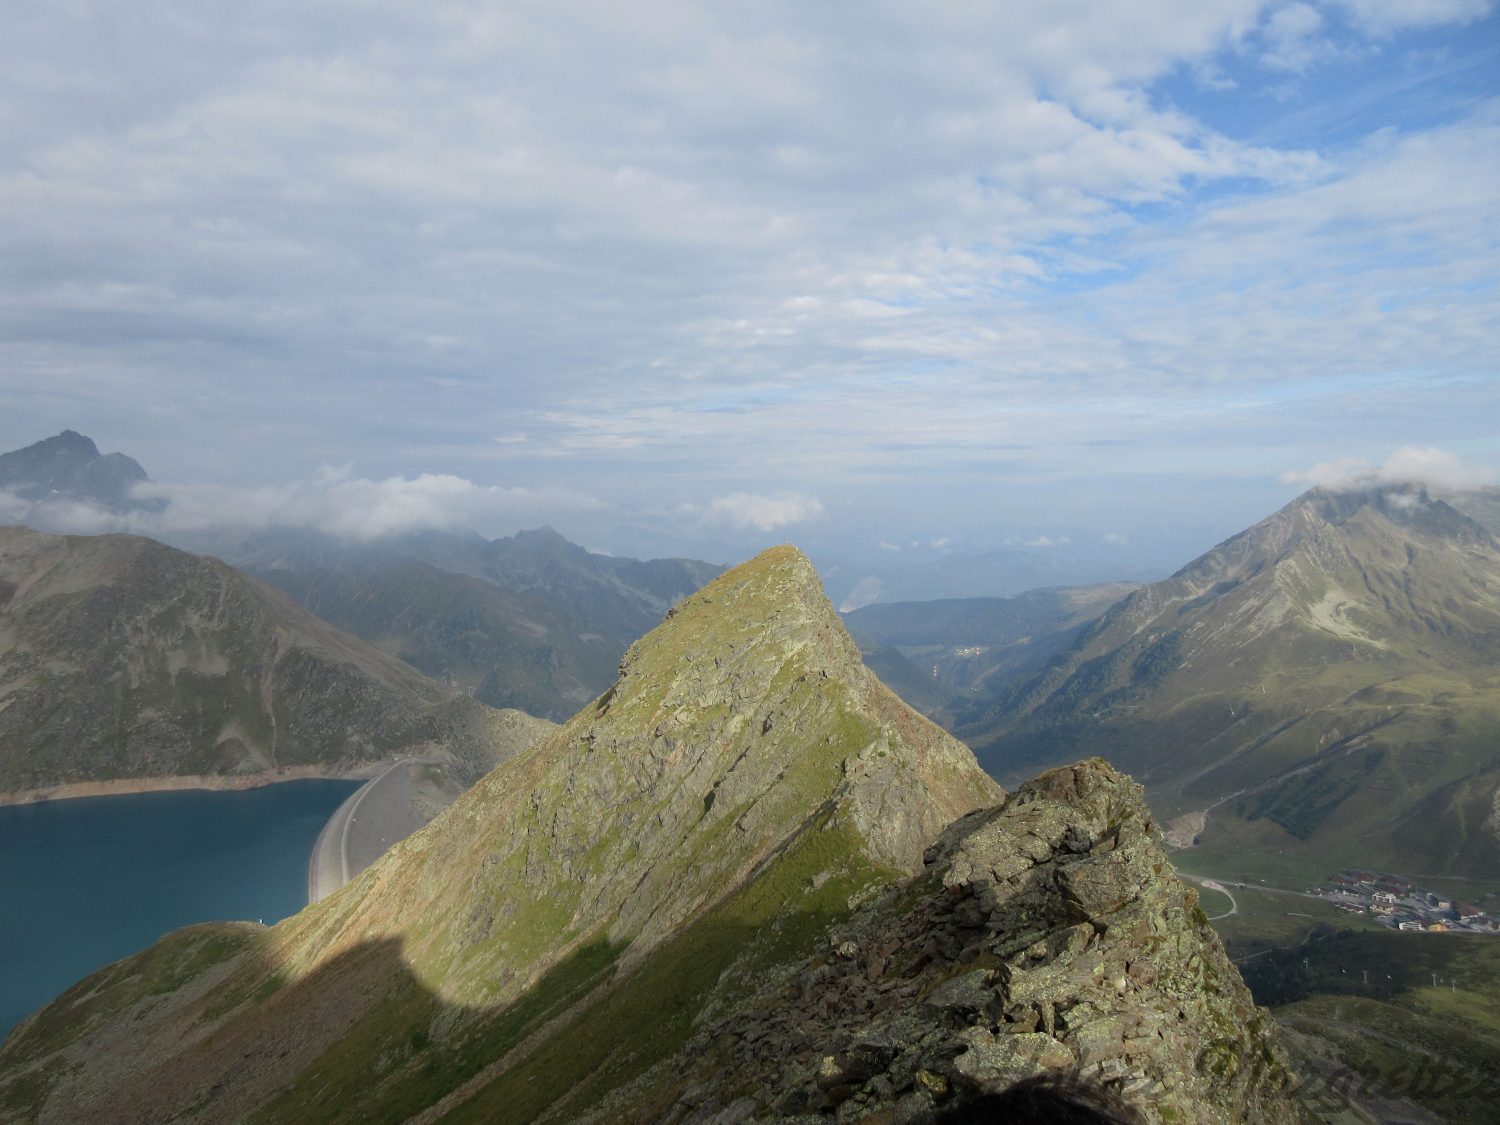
(891,281)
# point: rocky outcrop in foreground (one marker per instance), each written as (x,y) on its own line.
(1048,934)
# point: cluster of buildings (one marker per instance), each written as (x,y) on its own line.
(1400,904)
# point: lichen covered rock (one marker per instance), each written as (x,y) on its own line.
(1046,934)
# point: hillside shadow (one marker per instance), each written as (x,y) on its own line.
(360,1038)
(207,1025)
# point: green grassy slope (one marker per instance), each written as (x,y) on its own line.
(1327,683)
(1392,1017)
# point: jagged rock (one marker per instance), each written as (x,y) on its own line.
(1094,958)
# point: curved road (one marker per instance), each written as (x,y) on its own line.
(1215,885)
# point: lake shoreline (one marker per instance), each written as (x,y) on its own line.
(88,882)
(119,786)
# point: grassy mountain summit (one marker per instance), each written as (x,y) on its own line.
(122,659)
(745,880)
(1325,679)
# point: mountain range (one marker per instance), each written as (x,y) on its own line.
(69,466)
(530,621)
(1323,684)
(746,883)
(946,657)
(125,660)
(1319,685)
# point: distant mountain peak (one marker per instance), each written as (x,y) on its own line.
(70,464)
(539,544)
(545,533)
(1305,663)
(1409,506)
(69,439)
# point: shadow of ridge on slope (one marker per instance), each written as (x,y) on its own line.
(361,1038)
(1044,932)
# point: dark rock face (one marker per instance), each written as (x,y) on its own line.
(71,465)
(1047,934)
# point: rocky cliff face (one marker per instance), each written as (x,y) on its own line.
(1046,934)
(121,658)
(746,881)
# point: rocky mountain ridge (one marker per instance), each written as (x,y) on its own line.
(1343,647)
(745,884)
(1046,934)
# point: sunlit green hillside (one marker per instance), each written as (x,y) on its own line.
(1326,684)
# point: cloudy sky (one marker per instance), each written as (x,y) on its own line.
(885,279)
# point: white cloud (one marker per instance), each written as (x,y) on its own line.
(1048,541)
(1340,473)
(13,509)
(333,501)
(1292,37)
(1116,538)
(744,510)
(1437,469)
(620,249)
(885,546)
(866,591)
(1383,17)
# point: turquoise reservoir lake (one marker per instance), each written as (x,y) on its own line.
(86,881)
